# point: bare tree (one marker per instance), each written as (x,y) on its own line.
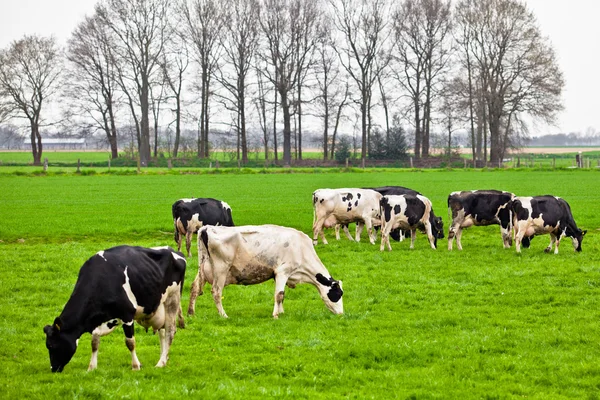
(174,64)
(92,84)
(204,24)
(364,26)
(422,29)
(285,25)
(517,68)
(29,73)
(139,26)
(332,89)
(261,106)
(239,42)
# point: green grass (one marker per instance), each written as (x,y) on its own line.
(481,323)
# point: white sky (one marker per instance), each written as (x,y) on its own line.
(571,25)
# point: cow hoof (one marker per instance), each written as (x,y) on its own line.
(136,367)
(547,250)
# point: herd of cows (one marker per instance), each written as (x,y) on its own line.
(127,283)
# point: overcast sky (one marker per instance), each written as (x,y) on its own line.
(571,25)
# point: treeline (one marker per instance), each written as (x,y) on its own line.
(400,73)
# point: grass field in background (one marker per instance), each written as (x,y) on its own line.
(422,323)
(93,159)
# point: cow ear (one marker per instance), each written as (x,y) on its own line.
(57,323)
(323,281)
(48,330)
(583,232)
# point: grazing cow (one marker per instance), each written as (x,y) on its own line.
(407,212)
(545,214)
(246,255)
(189,215)
(480,208)
(116,287)
(344,206)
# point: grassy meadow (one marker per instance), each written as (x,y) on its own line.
(420,324)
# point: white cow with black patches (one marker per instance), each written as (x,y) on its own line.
(247,255)
(545,215)
(117,287)
(344,206)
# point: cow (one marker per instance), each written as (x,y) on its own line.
(480,208)
(189,215)
(407,212)
(398,234)
(344,206)
(545,214)
(247,255)
(117,287)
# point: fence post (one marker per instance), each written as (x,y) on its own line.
(216,164)
(45,164)
(411,162)
(346,162)
(238,163)
(553,162)
(518,162)
(138,164)
(465,160)
(78,165)
(362,163)
(169,163)
(109,163)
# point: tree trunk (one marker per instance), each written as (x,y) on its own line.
(177,127)
(287,130)
(299,123)
(417,129)
(145,124)
(275,122)
(36,144)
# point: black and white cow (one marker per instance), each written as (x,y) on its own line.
(344,206)
(189,215)
(545,214)
(407,212)
(117,287)
(247,255)
(480,208)
(398,234)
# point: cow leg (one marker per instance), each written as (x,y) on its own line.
(552,240)
(429,234)
(506,236)
(167,333)
(217,293)
(130,343)
(347,232)
(459,232)
(413,235)
(199,282)
(520,233)
(385,237)
(318,229)
(359,229)
(280,282)
(337,231)
(95,346)
(188,242)
(180,318)
(177,239)
(371,231)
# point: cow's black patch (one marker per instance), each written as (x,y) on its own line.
(349,196)
(322,280)
(112,324)
(335,293)
(397,209)
(358,195)
(320,201)
(344,198)
(356,203)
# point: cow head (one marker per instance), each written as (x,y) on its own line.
(437,227)
(60,346)
(331,293)
(577,237)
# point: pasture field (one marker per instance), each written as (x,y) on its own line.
(419,324)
